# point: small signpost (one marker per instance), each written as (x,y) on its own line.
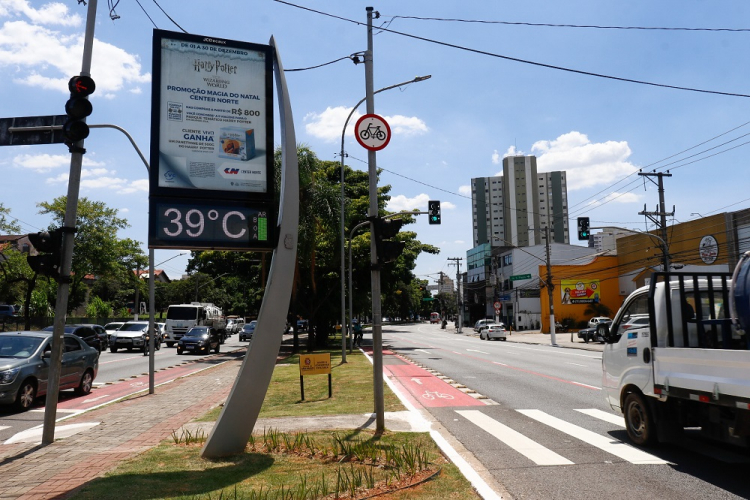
(520,277)
(315,364)
(498,306)
(372,132)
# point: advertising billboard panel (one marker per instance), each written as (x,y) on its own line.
(211,143)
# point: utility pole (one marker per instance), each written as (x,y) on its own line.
(457,263)
(69,224)
(550,294)
(377,325)
(662,221)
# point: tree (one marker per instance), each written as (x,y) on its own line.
(97,248)
(6,224)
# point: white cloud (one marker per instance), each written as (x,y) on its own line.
(512,151)
(400,202)
(45,162)
(51,13)
(586,164)
(495,157)
(328,124)
(447,205)
(464,190)
(44,58)
(141,185)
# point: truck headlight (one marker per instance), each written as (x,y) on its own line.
(8,376)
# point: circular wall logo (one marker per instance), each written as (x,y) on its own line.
(708,249)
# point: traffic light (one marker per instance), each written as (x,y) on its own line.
(387,248)
(583,228)
(434,211)
(49,247)
(78,108)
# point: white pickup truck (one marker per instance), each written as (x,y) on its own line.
(690,366)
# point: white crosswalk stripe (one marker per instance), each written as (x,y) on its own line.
(603,415)
(607,444)
(527,447)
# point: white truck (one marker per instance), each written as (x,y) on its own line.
(690,365)
(182,317)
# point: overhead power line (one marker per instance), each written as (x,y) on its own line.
(515,59)
(550,25)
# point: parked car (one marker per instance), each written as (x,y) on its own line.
(84,332)
(493,331)
(301,325)
(7,311)
(24,366)
(482,322)
(592,335)
(199,339)
(596,320)
(486,325)
(132,335)
(247,331)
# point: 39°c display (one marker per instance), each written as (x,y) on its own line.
(203,224)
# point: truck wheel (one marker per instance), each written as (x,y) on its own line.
(113,349)
(638,420)
(170,344)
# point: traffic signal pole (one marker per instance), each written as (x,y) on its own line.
(69,224)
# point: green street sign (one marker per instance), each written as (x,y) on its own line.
(520,277)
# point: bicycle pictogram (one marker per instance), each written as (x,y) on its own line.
(432,395)
(372,131)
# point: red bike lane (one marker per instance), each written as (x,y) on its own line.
(421,387)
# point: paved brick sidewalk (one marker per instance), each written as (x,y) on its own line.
(125,429)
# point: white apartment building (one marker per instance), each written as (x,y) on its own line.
(516,208)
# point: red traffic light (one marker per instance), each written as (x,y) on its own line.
(81,85)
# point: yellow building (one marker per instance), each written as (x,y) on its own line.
(577,288)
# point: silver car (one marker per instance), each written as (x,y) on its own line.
(25,362)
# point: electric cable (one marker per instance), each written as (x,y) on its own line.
(523,61)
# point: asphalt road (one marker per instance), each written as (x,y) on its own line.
(548,432)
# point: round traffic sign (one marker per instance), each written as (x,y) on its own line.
(372,132)
(498,306)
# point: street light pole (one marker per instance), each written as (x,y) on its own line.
(343,208)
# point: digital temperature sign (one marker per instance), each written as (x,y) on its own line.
(211,181)
(206,224)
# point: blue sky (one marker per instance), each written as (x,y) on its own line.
(459,124)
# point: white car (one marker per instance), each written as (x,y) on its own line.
(595,321)
(111,328)
(132,335)
(493,331)
(479,324)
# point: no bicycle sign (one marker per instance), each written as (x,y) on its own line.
(372,132)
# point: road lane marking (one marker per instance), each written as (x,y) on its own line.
(576,364)
(607,444)
(606,416)
(520,443)
(474,350)
(95,399)
(586,385)
(416,380)
(422,350)
(499,363)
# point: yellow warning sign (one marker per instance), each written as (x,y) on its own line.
(315,364)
